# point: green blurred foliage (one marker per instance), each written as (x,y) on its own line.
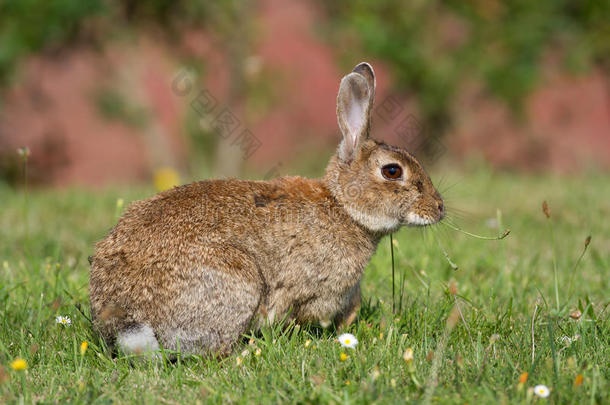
(433,46)
(29,26)
(113,106)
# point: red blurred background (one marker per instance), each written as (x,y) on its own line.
(93,115)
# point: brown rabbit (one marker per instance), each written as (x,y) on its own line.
(195,267)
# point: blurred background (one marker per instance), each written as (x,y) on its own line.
(125,91)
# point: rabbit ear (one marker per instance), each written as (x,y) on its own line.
(354,103)
(367,71)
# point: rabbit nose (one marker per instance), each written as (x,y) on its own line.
(441,207)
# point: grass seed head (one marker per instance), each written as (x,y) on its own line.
(453,289)
(576,314)
(545,209)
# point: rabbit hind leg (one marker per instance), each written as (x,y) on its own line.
(215,307)
(348,315)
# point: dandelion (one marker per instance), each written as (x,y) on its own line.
(307,343)
(408,355)
(343,356)
(348,340)
(578,380)
(542,391)
(63,320)
(83,347)
(166,178)
(523,378)
(19,364)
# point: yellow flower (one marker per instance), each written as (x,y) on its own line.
(119,203)
(83,347)
(19,364)
(347,382)
(578,380)
(307,343)
(523,378)
(343,356)
(166,178)
(408,355)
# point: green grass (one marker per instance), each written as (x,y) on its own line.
(469,347)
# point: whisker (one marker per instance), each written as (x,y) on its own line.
(457,228)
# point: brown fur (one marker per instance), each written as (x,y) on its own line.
(203,263)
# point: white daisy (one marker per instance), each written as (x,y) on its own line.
(542,391)
(348,340)
(63,320)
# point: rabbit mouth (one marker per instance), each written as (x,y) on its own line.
(414,219)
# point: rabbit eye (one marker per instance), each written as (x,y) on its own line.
(392,171)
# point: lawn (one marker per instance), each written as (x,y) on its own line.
(524,304)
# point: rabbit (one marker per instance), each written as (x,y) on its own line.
(194,268)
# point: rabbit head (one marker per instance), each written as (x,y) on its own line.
(382,187)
